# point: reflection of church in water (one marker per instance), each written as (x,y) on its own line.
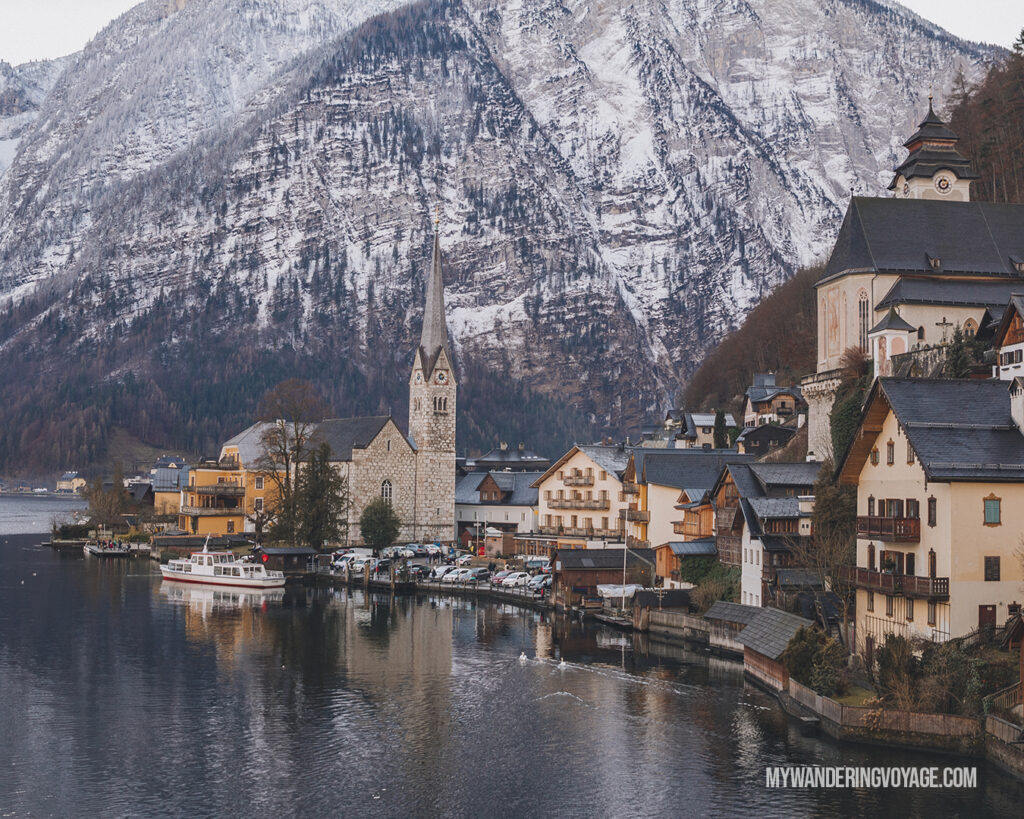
(909,269)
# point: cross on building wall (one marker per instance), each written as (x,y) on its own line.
(944,325)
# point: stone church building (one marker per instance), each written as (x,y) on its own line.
(414,472)
(907,270)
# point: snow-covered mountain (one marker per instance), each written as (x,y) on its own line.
(620,182)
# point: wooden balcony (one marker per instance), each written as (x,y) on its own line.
(579,480)
(932,588)
(212,511)
(640,515)
(580,531)
(890,530)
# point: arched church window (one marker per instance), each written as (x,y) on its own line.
(920,333)
(863,317)
(386,491)
(970,328)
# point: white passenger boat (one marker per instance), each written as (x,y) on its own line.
(221,569)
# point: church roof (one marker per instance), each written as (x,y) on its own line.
(343,435)
(892,321)
(993,295)
(904,236)
(434,337)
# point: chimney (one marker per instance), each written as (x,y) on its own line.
(522,446)
(1017,403)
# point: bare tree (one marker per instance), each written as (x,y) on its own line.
(290,412)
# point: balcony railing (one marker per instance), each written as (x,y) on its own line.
(893,530)
(579,480)
(578,503)
(905,584)
(228,490)
(580,531)
(641,515)
(211,511)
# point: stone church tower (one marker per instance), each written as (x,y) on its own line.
(432,396)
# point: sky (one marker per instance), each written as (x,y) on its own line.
(40,29)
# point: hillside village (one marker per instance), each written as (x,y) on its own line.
(910,432)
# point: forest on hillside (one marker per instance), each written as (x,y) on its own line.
(779,334)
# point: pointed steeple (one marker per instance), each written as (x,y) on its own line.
(434,337)
(934,166)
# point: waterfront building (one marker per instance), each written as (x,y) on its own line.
(764,639)
(71,483)
(939,471)
(214,500)
(504,501)
(577,573)
(581,496)
(931,256)
(660,476)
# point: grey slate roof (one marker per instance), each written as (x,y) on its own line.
(603,558)
(732,612)
(770,632)
(516,483)
(689,548)
(993,295)
(960,430)
(892,321)
(798,578)
(512,458)
(899,236)
(684,468)
(767,508)
(168,479)
(343,435)
(801,474)
(250,450)
(934,148)
(612,459)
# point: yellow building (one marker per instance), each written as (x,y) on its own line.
(581,496)
(71,483)
(939,471)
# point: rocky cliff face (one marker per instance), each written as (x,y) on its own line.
(217,193)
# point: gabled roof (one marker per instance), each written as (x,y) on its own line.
(249,443)
(612,459)
(746,484)
(684,468)
(759,393)
(959,430)
(899,235)
(892,321)
(603,558)
(770,632)
(933,148)
(343,435)
(769,432)
(773,508)
(517,488)
(1015,307)
(802,474)
(732,612)
(512,458)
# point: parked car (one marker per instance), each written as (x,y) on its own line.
(498,577)
(464,560)
(440,571)
(478,575)
(516,579)
(538,583)
(455,576)
(382,567)
(432,549)
(359,564)
(419,572)
(536,565)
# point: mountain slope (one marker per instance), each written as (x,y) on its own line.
(619,182)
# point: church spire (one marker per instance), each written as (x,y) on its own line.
(934,168)
(434,337)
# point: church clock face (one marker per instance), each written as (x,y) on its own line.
(943,184)
(906,188)
(441,377)
(419,378)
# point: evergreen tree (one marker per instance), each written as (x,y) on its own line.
(322,501)
(721,434)
(958,362)
(379,525)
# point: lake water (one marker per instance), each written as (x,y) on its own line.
(121,694)
(36,513)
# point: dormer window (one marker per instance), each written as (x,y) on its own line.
(934,262)
(1018,263)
